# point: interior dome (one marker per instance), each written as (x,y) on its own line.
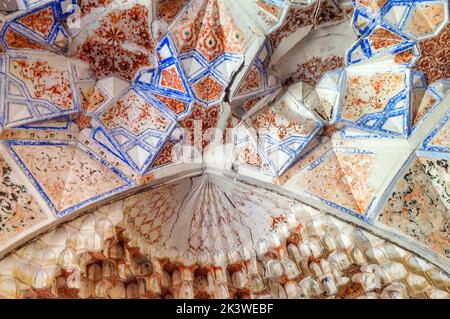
(224,149)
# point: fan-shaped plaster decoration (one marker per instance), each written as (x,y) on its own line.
(224,149)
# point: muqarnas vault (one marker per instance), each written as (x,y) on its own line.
(224,149)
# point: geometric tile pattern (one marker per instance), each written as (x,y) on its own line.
(377,100)
(323,258)
(185,100)
(36,88)
(257,83)
(280,131)
(119,43)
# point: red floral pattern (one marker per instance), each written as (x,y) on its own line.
(15,40)
(328,12)
(296,18)
(86,6)
(207,27)
(83,121)
(374,5)
(91,98)
(40,22)
(382,38)
(434,58)
(165,157)
(252,82)
(105,49)
(404,57)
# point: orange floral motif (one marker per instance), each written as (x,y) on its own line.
(201,121)
(106,60)
(282,122)
(296,18)
(233,38)
(15,40)
(404,57)
(208,89)
(40,22)
(91,98)
(370,94)
(83,121)
(187,29)
(165,156)
(249,156)
(313,69)
(268,18)
(249,104)
(170,78)
(270,8)
(328,12)
(442,137)
(67,174)
(425,18)
(374,5)
(86,6)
